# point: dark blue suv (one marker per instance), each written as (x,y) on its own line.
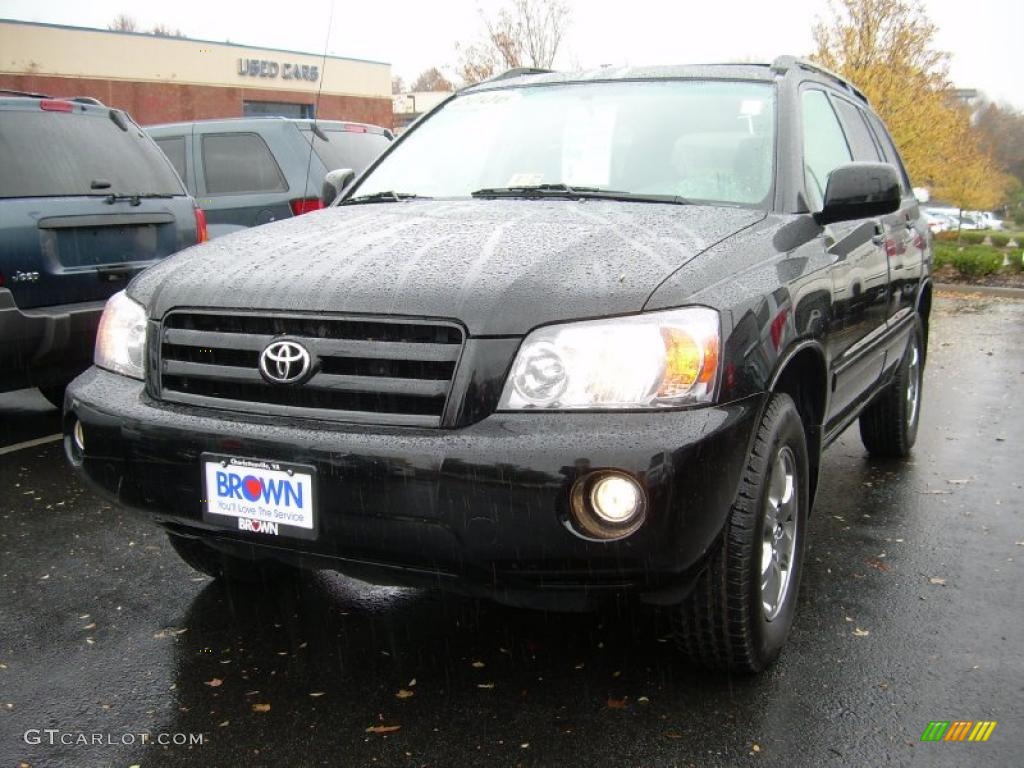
(87,201)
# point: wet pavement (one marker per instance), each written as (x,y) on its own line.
(911,611)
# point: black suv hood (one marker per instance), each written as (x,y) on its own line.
(501,267)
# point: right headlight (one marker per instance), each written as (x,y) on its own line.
(121,338)
(653,360)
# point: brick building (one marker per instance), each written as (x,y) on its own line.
(167,79)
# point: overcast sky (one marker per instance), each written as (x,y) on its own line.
(984,36)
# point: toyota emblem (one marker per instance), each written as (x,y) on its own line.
(285,362)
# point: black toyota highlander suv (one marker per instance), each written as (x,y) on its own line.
(571,335)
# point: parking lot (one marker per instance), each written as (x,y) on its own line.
(910,611)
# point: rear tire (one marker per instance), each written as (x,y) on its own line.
(741,609)
(219,565)
(888,427)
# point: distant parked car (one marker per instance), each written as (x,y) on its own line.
(87,201)
(989,220)
(937,222)
(253,170)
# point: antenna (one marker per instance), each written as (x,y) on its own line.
(316,105)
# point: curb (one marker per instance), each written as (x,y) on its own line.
(984,290)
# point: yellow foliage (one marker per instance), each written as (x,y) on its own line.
(885,48)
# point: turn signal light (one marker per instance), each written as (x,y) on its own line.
(687,362)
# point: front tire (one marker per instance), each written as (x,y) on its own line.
(741,609)
(220,565)
(888,427)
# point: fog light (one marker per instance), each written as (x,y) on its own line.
(608,505)
(615,498)
(78,434)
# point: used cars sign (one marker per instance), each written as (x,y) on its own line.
(287,70)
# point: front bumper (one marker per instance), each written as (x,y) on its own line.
(46,346)
(481,509)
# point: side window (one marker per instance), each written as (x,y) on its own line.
(240,163)
(174,148)
(824,145)
(889,150)
(857,132)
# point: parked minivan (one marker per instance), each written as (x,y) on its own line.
(87,201)
(249,171)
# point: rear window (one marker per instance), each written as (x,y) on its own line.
(47,154)
(347,149)
(174,148)
(238,163)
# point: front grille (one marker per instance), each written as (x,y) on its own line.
(384,371)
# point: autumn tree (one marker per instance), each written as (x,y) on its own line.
(431,80)
(123,23)
(523,33)
(886,47)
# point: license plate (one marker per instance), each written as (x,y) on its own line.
(256,496)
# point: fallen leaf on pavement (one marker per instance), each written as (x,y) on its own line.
(616,703)
(878,565)
(383,728)
(937,580)
(215,683)
(858,632)
(486,686)
(260,707)
(315,694)
(404,693)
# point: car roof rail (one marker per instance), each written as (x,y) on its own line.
(28,94)
(784,64)
(508,74)
(87,100)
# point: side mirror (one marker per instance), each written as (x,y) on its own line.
(335,183)
(858,191)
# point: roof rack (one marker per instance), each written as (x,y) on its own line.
(784,64)
(518,72)
(32,95)
(29,94)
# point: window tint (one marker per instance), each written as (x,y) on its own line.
(889,150)
(347,149)
(55,153)
(240,162)
(174,148)
(824,145)
(857,132)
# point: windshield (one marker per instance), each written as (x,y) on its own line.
(45,154)
(698,140)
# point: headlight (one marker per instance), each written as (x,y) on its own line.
(654,360)
(121,339)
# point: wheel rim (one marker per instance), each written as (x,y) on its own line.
(778,533)
(913,384)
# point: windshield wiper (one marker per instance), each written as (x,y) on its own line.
(389,196)
(575,193)
(135,199)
